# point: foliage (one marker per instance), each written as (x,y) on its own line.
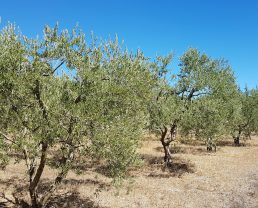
(62,99)
(243,115)
(198,100)
(99,112)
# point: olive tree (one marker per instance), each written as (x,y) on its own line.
(97,111)
(165,108)
(164,114)
(206,87)
(195,100)
(37,112)
(243,116)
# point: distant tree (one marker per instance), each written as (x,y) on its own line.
(195,100)
(206,87)
(243,115)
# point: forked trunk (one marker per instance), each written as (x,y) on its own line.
(66,162)
(162,139)
(166,142)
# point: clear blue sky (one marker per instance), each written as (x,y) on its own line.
(220,28)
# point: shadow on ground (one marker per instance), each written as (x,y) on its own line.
(230,143)
(185,149)
(154,167)
(70,199)
(67,200)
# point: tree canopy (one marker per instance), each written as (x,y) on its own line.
(63,99)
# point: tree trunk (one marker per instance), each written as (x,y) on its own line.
(237,138)
(66,162)
(165,144)
(34,183)
(45,199)
(167,157)
(65,166)
(237,141)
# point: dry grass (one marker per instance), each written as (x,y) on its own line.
(227,178)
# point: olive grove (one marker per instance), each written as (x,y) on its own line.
(63,99)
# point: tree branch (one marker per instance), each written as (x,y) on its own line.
(201,93)
(7,138)
(7,199)
(78,99)
(189,97)
(65,162)
(159,95)
(41,103)
(15,109)
(62,62)
(40,169)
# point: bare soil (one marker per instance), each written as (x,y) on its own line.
(225,179)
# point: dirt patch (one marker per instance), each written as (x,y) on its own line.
(227,178)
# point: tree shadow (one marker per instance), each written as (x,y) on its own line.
(16,155)
(223,143)
(72,200)
(85,164)
(230,143)
(16,198)
(150,137)
(104,170)
(150,160)
(154,167)
(66,200)
(191,141)
(84,182)
(21,205)
(73,183)
(19,196)
(82,163)
(4,204)
(185,149)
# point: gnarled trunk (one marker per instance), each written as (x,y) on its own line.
(165,141)
(167,152)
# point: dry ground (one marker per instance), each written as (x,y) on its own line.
(227,178)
